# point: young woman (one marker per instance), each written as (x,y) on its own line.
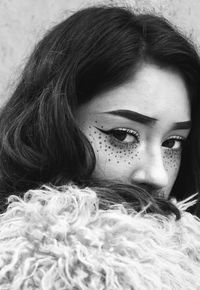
(108,99)
(108,110)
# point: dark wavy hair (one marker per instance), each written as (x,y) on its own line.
(95,49)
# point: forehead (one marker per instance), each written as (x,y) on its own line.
(152,91)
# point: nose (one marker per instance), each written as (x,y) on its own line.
(150,172)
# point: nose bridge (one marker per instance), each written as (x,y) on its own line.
(150,169)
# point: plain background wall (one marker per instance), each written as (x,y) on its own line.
(23,22)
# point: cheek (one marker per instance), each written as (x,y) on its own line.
(171,160)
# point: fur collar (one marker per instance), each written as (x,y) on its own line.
(58,238)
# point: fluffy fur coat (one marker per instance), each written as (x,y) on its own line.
(58,238)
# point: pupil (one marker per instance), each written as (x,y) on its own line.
(119,135)
(169,143)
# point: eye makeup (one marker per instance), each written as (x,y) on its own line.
(172,148)
(174,143)
(122,138)
(171,158)
(119,144)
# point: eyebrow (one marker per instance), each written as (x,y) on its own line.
(146,120)
(182,125)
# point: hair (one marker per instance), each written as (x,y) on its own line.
(95,49)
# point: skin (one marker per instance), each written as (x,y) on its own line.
(141,151)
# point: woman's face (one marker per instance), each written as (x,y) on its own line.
(137,130)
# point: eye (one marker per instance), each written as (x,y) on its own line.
(124,135)
(174,143)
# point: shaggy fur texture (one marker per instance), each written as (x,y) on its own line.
(58,238)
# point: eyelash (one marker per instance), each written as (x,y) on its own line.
(176,138)
(128,145)
(121,144)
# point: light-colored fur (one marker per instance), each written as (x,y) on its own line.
(58,238)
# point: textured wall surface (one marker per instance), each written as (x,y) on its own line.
(23,22)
